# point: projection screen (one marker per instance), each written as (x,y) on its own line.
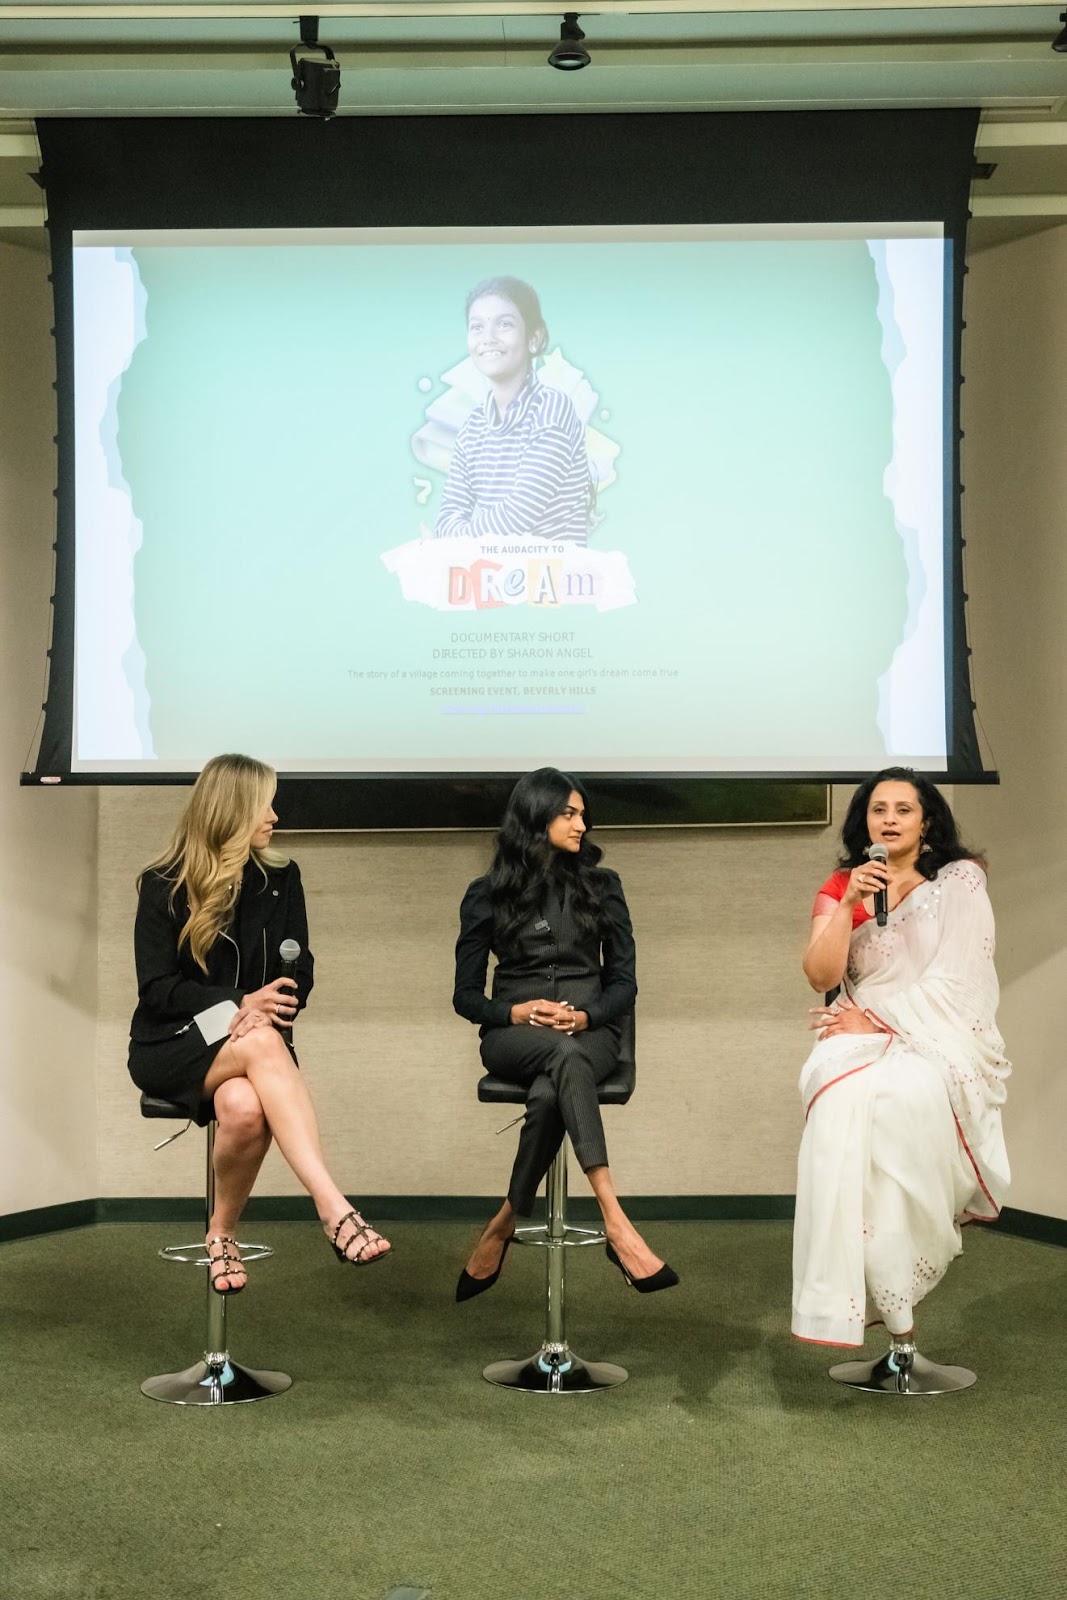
(713,534)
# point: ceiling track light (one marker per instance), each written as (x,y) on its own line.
(316,84)
(1060,41)
(570,55)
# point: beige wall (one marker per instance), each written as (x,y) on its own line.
(720,915)
(1015,517)
(47,841)
(721,921)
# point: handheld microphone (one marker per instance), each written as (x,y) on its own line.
(879,852)
(289,951)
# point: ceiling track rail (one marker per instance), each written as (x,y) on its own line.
(326,10)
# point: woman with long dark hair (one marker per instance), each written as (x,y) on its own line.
(558,924)
(212,1028)
(902,1092)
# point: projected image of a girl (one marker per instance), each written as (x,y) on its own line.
(519,467)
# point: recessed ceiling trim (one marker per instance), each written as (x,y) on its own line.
(245,10)
(1019,135)
(500,56)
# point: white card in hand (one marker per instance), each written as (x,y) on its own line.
(214,1023)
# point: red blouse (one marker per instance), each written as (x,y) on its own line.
(831,895)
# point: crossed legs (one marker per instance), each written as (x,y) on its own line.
(259,1095)
(242,1139)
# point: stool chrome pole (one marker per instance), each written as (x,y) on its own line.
(216,1380)
(555,1369)
(902,1370)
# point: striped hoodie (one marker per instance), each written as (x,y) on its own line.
(523,475)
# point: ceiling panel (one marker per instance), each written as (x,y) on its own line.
(229,58)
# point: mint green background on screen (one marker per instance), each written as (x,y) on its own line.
(265,425)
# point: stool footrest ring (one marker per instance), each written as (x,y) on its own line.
(539,1235)
(194,1255)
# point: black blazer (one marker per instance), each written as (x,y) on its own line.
(171,988)
(551,958)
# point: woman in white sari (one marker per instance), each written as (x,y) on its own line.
(902,1092)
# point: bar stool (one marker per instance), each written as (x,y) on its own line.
(216,1380)
(902,1370)
(555,1368)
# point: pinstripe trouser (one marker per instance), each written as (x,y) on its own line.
(560,1073)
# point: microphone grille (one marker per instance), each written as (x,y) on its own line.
(289,950)
(877,852)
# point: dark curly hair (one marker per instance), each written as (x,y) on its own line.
(526,866)
(940,832)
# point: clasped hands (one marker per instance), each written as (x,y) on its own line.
(557,1014)
(844,1016)
(271,1005)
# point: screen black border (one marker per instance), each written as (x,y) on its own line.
(600,169)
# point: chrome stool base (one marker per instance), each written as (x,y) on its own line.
(216,1383)
(216,1380)
(902,1370)
(555,1369)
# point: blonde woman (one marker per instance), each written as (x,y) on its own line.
(212,1026)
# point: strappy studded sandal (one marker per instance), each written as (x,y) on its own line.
(225,1265)
(361,1230)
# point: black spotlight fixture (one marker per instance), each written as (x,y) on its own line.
(1060,41)
(316,83)
(570,54)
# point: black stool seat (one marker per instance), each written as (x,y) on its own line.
(614,1091)
(152,1106)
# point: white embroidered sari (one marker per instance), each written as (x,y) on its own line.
(903,1135)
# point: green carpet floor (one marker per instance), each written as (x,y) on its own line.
(729,1465)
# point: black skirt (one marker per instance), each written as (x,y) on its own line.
(175,1069)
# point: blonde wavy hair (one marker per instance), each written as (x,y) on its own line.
(212,843)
